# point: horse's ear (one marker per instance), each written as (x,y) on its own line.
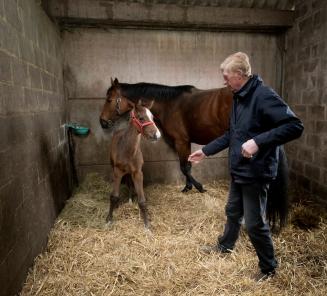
(131,103)
(112,82)
(147,103)
(116,82)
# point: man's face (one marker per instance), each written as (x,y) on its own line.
(233,80)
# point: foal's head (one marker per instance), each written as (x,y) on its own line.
(142,118)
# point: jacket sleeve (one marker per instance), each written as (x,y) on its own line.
(285,125)
(217,145)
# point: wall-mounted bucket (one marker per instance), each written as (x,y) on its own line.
(77,129)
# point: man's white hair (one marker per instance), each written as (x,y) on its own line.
(237,62)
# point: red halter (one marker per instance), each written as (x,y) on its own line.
(138,124)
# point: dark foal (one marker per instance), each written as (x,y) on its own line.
(126,156)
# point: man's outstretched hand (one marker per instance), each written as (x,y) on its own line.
(196,156)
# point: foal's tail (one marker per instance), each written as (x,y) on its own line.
(278,199)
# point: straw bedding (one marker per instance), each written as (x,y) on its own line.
(85,257)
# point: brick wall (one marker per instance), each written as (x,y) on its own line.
(305,88)
(33,148)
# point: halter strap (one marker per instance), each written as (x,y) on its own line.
(118,100)
(138,124)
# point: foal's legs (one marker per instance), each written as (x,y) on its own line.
(138,184)
(184,150)
(114,197)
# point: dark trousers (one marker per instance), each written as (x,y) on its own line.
(249,201)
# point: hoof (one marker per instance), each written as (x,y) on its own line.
(187,188)
(147,229)
(109,221)
(109,225)
(202,190)
(148,233)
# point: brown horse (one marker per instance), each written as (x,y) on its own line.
(184,114)
(188,115)
(126,156)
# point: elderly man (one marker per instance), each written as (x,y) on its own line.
(260,122)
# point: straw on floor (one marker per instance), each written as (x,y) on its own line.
(85,257)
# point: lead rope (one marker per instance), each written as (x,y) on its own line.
(71,148)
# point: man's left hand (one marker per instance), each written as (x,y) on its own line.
(249,148)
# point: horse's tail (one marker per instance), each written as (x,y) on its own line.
(278,199)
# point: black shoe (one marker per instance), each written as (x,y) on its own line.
(211,249)
(262,276)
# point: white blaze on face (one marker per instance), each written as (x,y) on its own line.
(150,115)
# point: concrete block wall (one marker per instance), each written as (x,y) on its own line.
(305,88)
(34,179)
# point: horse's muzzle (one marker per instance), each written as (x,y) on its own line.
(155,137)
(106,123)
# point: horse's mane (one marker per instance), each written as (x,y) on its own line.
(154,91)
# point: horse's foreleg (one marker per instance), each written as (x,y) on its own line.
(184,150)
(184,166)
(186,169)
(114,197)
(138,184)
(114,202)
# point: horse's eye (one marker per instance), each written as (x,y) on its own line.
(109,100)
(141,118)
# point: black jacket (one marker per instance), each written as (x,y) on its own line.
(258,113)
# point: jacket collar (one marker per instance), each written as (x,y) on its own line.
(252,83)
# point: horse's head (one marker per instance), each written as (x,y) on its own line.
(142,119)
(115,105)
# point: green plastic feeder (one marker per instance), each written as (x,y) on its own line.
(77,129)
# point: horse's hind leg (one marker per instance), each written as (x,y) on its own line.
(131,189)
(138,184)
(114,197)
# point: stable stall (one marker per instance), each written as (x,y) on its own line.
(57,62)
